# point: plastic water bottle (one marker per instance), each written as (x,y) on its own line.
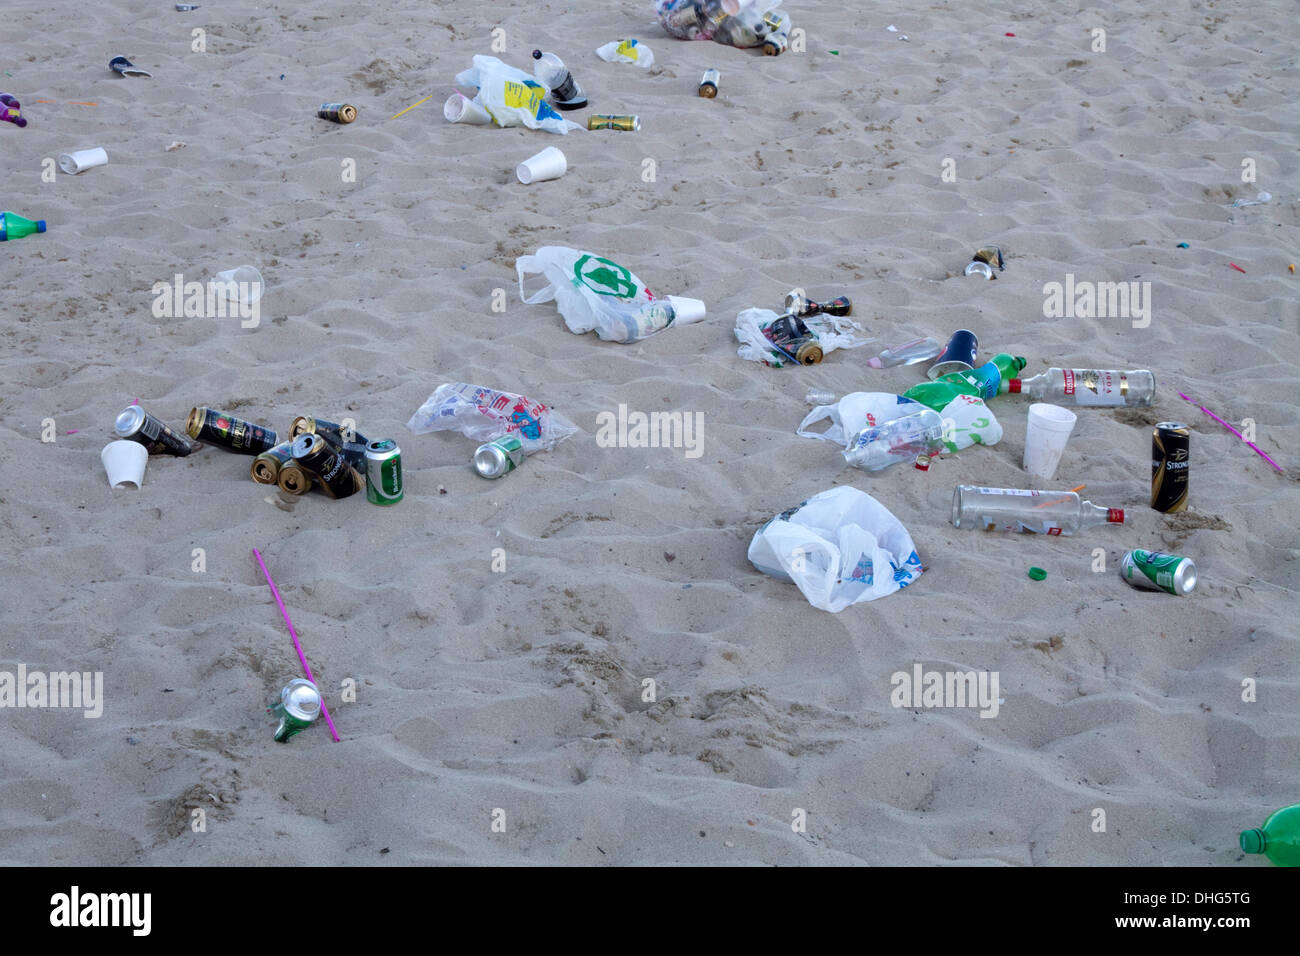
(554,75)
(909,353)
(1278,838)
(901,439)
(820,396)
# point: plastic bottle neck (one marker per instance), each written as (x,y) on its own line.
(1253,841)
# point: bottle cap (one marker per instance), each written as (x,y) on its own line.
(923,463)
(1115,515)
(1013,386)
(1037,574)
(1252,841)
(537,54)
(40,225)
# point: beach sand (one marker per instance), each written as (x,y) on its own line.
(521,690)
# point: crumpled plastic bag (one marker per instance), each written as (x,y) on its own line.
(966,419)
(739,23)
(593,292)
(833,332)
(485,414)
(627,51)
(839,547)
(512,97)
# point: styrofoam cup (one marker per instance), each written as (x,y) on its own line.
(1049,429)
(82,159)
(459,108)
(247,287)
(548,164)
(686,310)
(124,462)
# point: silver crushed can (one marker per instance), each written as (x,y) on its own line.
(495,458)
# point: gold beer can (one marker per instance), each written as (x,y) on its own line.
(338,112)
(628,124)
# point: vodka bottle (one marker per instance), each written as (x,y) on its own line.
(1088,386)
(1040,512)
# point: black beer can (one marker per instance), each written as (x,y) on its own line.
(218,428)
(1169,464)
(266,467)
(135,424)
(326,464)
(346,439)
(338,112)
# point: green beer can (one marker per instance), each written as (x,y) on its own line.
(297,708)
(1157,571)
(383,472)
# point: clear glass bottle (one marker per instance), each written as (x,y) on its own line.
(1039,512)
(909,353)
(900,439)
(1088,386)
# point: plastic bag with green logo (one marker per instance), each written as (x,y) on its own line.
(511,96)
(595,293)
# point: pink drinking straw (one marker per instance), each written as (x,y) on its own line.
(298,647)
(1233,430)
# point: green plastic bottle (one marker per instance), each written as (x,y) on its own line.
(1278,839)
(982,382)
(14,226)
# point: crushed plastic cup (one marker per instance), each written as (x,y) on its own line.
(124,462)
(82,160)
(243,283)
(1049,429)
(548,164)
(459,108)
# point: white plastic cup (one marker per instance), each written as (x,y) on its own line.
(548,164)
(247,287)
(82,160)
(1048,431)
(124,462)
(686,310)
(459,108)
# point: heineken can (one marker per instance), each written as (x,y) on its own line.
(344,437)
(338,112)
(1157,571)
(606,121)
(498,457)
(322,461)
(218,428)
(265,468)
(709,85)
(1169,450)
(135,424)
(297,708)
(383,472)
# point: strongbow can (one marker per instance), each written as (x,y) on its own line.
(344,437)
(137,425)
(383,472)
(607,121)
(266,467)
(297,708)
(1169,450)
(218,428)
(709,85)
(338,112)
(322,461)
(1157,571)
(498,457)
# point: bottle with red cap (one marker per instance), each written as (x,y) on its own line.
(1087,386)
(1038,512)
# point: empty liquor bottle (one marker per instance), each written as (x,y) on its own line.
(1088,386)
(14,226)
(901,439)
(1039,512)
(1278,839)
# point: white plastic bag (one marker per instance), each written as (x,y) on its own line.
(966,419)
(839,547)
(627,51)
(511,96)
(593,292)
(485,414)
(833,332)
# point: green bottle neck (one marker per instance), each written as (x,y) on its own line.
(1253,841)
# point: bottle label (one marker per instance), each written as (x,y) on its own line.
(1007,491)
(1096,386)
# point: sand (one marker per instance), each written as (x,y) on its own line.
(522,690)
